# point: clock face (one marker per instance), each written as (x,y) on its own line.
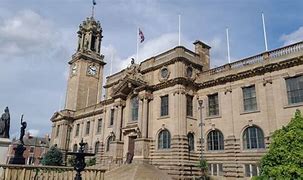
(92,70)
(74,69)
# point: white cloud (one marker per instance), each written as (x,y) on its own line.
(293,37)
(34,132)
(26,33)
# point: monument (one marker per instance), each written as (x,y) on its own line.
(19,150)
(4,135)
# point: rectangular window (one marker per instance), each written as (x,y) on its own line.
(77,130)
(87,127)
(58,130)
(99,126)
(164,105)
(135,108)
(215,169)
(294,87)
(213,105)
(251,170)
(249,98)
(112,116)
(189,105)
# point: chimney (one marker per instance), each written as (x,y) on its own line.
(203,50)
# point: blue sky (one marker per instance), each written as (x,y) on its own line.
(38,37)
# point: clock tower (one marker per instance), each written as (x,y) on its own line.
(84,87)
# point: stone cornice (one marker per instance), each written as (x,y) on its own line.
(260,70)
(88,56)
(172,61)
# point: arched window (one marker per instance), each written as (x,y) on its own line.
(135,108)
(97,145)
(109,140)
(164,140)
(253,138)
(191,141)
(215,140)
(75,148)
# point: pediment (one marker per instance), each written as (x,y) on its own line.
(64,114)
(126,86)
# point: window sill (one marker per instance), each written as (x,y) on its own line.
(164,150)
(191,117)
(254,150)
(250,112)
(214,117)
(293,105)
(132,122)
(163,117)
(215,151)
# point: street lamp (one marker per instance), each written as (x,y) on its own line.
(200,101)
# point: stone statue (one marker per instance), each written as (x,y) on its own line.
(22,132)
(5,124)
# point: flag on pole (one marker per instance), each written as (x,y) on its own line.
(94,2)
(141,35)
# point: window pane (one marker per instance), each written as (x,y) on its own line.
(254,170)
(215,140)
(213,105)
(247,170)
(112,114)
(215,170)
(164,140)
(253,138)
(164,105)
(220,169)
(135,108)
(249,98)
(189,105)
(294,88)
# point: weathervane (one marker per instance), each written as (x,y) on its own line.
(93,7)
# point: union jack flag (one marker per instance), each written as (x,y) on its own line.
(141,35)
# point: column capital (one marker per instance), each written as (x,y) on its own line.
(145,96)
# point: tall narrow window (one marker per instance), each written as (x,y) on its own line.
(294,89)
(99,127)
(251,170)
(249,98)
(58,130)
(213,105)
(93,43)
(112,116)
(87,127)
(135,108)
(215,140)
(189,105)
(253,138)
(164,140)
(164,105)
(191,141)
(77,130)
(97,145)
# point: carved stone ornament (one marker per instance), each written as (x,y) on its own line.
(163,74)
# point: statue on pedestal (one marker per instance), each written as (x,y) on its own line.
(5,124)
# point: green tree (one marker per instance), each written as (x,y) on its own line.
(53,157)
(91,162)
(203,167)
(284,160)
(71,161)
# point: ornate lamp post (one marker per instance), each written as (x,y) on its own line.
(80,160)
(200,101)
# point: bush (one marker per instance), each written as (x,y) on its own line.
(91,162)
(53,157)
(284,160)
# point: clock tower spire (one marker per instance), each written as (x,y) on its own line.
(84,87)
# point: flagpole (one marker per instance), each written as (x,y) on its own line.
(179,30)
(93,9)
(137,44)
(227,40)
(264,32)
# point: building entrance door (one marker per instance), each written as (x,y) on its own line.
(131,149)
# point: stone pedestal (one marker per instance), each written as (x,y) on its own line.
(141,150)
(116,149)
(4,144)
(18,154)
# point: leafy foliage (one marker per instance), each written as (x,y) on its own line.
(284,160)
(203,166)
(71,161)
(91,162)
(53,157)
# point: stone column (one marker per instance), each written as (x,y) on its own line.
(119,104)
(144,118)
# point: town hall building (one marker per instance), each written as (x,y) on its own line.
(151,111)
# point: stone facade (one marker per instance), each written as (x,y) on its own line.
(149,109)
